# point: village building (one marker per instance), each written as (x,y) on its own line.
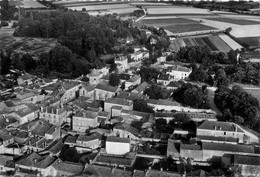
(178,72)
(53,114)
(94,77)
(135,80)
(124,130)
(117,145)
(104,92)
(112,105)
(164,79)
(86,143)
(83,120)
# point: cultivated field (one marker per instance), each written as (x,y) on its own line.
(182,28)
(216,43)
(235,21)
(27,4)
(166,21)
(176,10)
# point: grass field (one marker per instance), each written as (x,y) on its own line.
(252,41)
(235,21)
(182,28)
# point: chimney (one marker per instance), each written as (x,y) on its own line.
(161,169)
(30,144)
(124,168)
(41,109)
(57,111)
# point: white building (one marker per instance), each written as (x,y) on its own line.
(122,63)
(117,146)
(179,72)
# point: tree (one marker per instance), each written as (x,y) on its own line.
(137,124)
(29,62)
(141,105)
(148,74)
(114,80)
(61,59)
(113,68)
(182,117)
(17,63)
(156,92)
(69,154)
(5,62)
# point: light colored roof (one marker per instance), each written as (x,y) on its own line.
(141,87)
(119,101)
(106,88)
(134,78)
(220,126)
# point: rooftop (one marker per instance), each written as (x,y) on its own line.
(179,68)
(127,127)
(106,88)
(247,160)
(68,167)
(141,87)
(134,78)
(220,126)
(164,77)
(119,101)
(86,114)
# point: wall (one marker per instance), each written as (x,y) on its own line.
(108,106)
(103,95)
(93,144)
(81,124)
(117,148)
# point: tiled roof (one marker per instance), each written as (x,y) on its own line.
(117,139)
(130,96)
(191,147)
(70,139)
(4,122)
(134,78)
(127,127)
(156,173)
(89,88)
(4,135)
(214,138)
(29,160)
(173,146)
(51,130)
(119,101)
(86,114)
(114,160)
(141,87)
(228,147)
(103,114)
(179,68)
(23,112)
(70,84)
(106,88)
(68,167)
(218,125)
(4,159)
(247,160)
(55,147)
(87,138)
(164,77)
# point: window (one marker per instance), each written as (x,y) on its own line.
(225,133)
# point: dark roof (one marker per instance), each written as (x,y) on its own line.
(134,78)
(228,147)
(191,147)
(164,77)
(4,159)
(86,114)
(124,76)
(173,146)
(141,87)
(221,126)
(127,127)
(119,160)
(68,167)
(106,88)
(103,114)
(4,135)
(156,173)
(174,84)
(55,147)
(130,96)
(71,139)
(88,138)
(214,138)
(247,160)
(117,139)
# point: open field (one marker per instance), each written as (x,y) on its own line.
(252,41)
(182,28)
(235,21)
(27,4)
(102,7)
(168,21)
(33,46)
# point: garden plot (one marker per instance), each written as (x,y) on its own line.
(233,44)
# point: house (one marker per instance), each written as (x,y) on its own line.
(178,72)
(130,96)
(135,80)
(8,122)
(124,77)
(117,145)
(94,77)
(26,114)
(53,133)
(35,163)
(124,130)
(102,117)
(104,92)
(87,143)
(53,114)
(83,120)
(25,95)
(141,88)
(136,56)
(60,168)
(173,85)
(6,163)
(115,103)
(122,63)
(87,91)
(25,79)
(71,90)
(212,152)
(226,130)
(164,79)
(248,164)
(5,138)
(173,148)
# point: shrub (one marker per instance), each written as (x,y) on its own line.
(15,24)
(4,23)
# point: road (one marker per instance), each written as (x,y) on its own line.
(211,94)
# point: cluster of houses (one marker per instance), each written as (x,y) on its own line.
(40,117)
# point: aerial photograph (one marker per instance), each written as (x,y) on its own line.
(129,88)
